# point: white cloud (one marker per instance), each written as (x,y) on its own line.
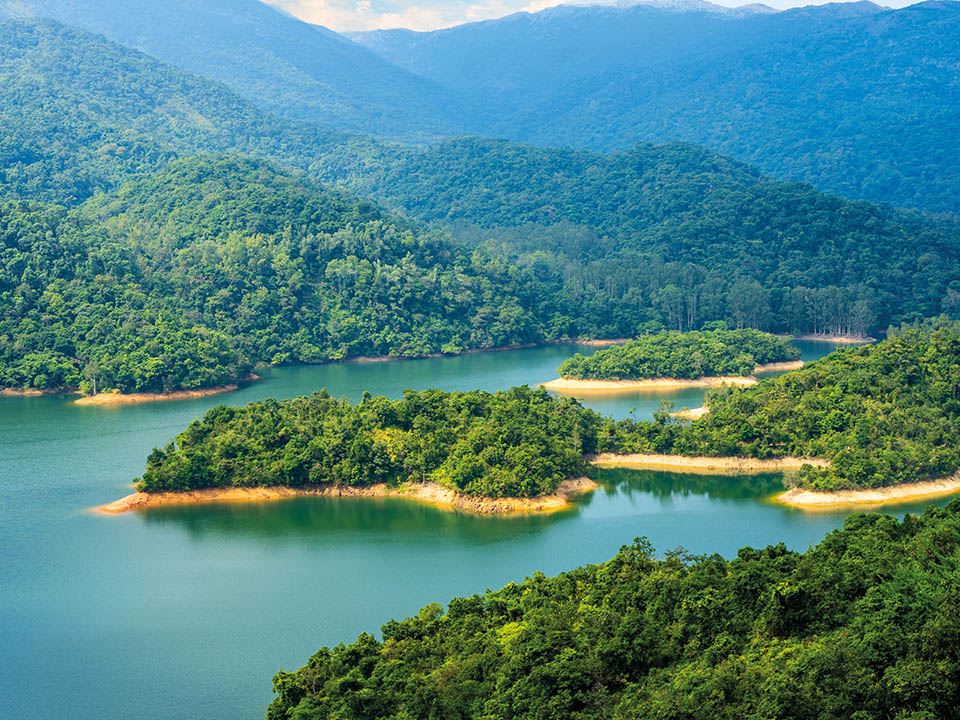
(345,15)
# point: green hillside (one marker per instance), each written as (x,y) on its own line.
(859,626)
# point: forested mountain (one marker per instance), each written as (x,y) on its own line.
(188,276)
(575,243)
(857,99)
(284,65)
(860,626)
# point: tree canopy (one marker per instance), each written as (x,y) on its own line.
(682,355)
(860,626)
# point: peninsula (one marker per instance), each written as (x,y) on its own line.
(847,425)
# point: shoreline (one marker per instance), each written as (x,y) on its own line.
(117,398)
(836,339)
(601,342)
(703,465)
(906,492)
(777,366)
(691,413)
(569,385)
(431,493)
(573,385)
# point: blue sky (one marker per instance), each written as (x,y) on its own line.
(346,15)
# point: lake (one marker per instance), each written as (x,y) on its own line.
(187,612)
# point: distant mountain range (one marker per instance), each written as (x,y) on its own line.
(286,66)
(855,98)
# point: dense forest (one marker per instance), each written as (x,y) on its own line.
(189,276)
(515,443)
(128,264)
(674,354)
(882,414)
(860,626)
(670,234)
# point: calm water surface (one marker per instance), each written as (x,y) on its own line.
(187,612)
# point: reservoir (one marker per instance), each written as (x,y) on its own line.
(187,612)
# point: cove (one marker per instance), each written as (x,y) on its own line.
(187,612)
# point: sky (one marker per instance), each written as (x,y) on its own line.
(346,15)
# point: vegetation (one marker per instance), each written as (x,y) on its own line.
(516,443)
(189,276)
(882,414)
(682,355)
(660,236)
(861,626)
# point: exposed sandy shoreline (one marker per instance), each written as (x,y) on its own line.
(431,493)
(838,339)
(569,385)
(683,463)
(786,365)
(813,500)
(116,398)
(691,413)
(111,398)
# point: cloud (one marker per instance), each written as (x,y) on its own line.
(347,15)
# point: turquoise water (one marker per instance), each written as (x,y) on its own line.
(187,612)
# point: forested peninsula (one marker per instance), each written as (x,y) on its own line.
(862,625)
(696,356)
(863,418)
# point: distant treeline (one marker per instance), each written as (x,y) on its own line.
(674,354)
(882,415)
(861,626)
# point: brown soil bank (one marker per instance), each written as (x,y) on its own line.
(683,463)
(571,385)
(117,398)
(33,392)
(432,493)
(813,500)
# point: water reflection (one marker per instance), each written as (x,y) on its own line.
(663,485)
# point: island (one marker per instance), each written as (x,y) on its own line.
(670,359)
(862,620)
(867,424)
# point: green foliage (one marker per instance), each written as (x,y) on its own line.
(189,276)
(682,355)
(515,443)
(660,236)
(882,414)
(861,626)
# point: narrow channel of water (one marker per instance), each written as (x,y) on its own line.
(187,612)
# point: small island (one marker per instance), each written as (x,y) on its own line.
(704,358)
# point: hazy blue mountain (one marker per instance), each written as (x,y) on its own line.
(284,65)
(855,98)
